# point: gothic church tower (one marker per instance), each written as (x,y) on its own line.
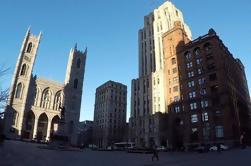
(73,90)
(18,97)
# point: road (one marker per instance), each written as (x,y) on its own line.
(15,153)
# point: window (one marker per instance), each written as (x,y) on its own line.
(175,80)
(190,74)
(219,131)
(193,106)
(189,65)
(174,70)
(23,70)
(57,100)
(175,88)
(19,91)
(203,92)
(207,47)
(188,55)
(198,61)
(204,116)
(199,71)
(192,95)
(29,48)
(197,51)
(176,98)
(173,61)
(204,104)
(75,83)
(177,109)
(190,84)
(201,81)
(78,63)
(46,98)
(194,118)
(212,77)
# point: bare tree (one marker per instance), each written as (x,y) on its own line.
(3,92)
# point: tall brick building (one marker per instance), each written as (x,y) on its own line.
(206,90)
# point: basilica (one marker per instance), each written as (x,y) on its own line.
(33,111)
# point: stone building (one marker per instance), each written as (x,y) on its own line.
(148,91)
(110,114)
(33,109)
(206,90)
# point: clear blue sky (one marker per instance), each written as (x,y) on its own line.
(109,29)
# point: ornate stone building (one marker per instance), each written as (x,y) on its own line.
(33,110)
(148,90)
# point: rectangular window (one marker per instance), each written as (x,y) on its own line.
(203,92)
(176,98)
(219,131)
(192,95)
(189,65)
(204,104)
(176,88)
(190,74)
(190,84)
(199,71)
(201,81)
(198,61)
(175,70)
(177,109)
(194,118)
(193,106)
(204,116)
(175,80)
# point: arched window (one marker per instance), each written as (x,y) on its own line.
(23,70)
(197,51)
(37,92)
(29,47)
(188,55)
(78,63)
(46,98)
(19,91)
(75,83)
(207,47)
(173,61)
(57,100)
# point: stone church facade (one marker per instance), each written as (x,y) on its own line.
(34,107)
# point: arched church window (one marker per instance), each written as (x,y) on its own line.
(78,63)
(36,96)
(57,101)
(75,83)
(19,91)
(46,98)
(23,70)
(29,47)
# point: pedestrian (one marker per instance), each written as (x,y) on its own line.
(243,140)
(155,153)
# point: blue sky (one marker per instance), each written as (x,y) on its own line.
(109,29)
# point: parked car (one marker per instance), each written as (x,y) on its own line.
(215,148)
